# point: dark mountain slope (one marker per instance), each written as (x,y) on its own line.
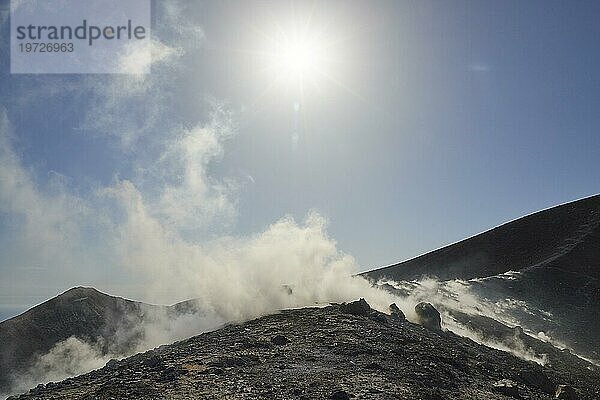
(534,240)
(325,353)
(85,313)
(556,253)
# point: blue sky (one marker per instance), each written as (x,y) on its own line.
(438,120)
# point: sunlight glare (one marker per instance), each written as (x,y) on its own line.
(296,58)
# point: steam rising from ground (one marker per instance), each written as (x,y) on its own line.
(165,229)
(153,229)
(459,296)
(67,358)
(316,273)
(151,224)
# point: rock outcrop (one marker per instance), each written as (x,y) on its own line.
(428,316)
(359,307)
(566,392)
(535,376)
(396,313)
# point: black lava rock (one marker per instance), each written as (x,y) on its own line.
(428,316)
(359,307)
(396,313)
(339,395)
(279,340)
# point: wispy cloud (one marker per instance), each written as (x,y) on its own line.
(139,57)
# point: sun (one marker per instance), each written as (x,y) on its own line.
(302,59)
(296,58)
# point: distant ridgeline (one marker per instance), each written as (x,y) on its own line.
(566,236)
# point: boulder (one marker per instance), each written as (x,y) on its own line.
(358,307)
(153,362)
(537,378)
(565,392)
(378,317)
(396,313)
(507,388)
(279,340)
(428,316)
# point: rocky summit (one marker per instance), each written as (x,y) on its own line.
(339,352)
(112,324)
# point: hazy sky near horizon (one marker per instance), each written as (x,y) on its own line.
(431,121)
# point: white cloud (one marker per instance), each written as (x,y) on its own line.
(176,22)
(139,57)
(130,107)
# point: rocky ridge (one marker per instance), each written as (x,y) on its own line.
(336,352)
